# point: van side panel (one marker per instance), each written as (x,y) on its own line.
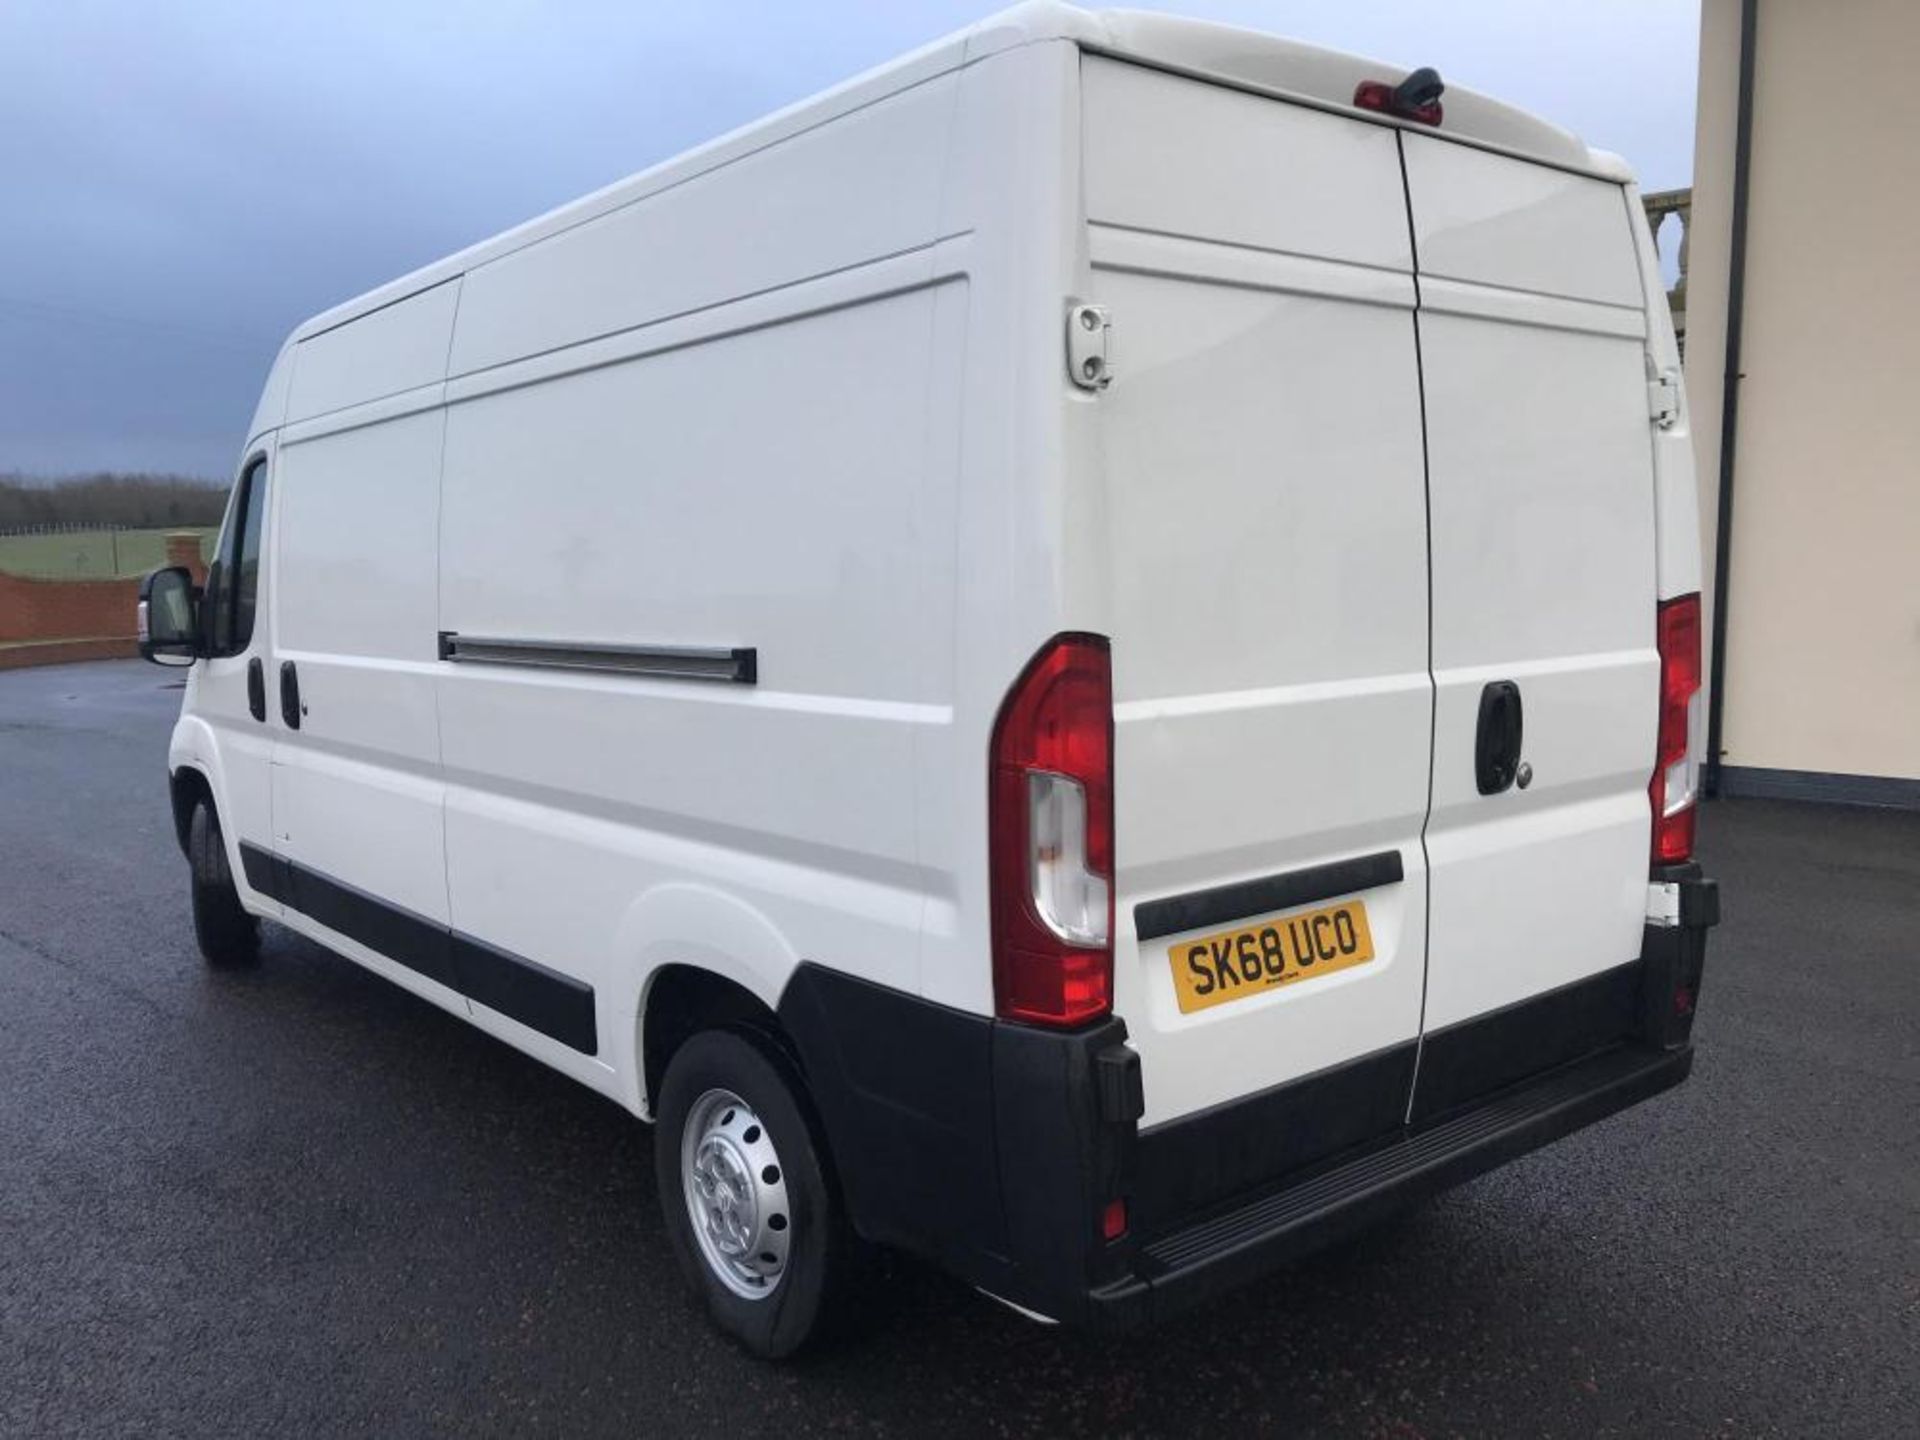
(1533,348)
(356,788)
(399,347)
(764,489)
(858,188)
(355,581)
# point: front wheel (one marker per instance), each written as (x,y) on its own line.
(746,1195)
(229,937)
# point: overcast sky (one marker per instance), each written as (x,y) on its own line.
(182,181)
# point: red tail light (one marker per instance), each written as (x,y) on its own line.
(1675,789)
(1050,823)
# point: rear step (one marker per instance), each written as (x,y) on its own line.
(1188,1266)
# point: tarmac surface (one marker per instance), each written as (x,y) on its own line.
(299,1201)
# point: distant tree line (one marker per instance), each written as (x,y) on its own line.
(134,501)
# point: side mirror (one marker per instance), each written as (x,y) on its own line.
(166,619)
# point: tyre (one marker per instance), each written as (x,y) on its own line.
(229,937)
(750,1207)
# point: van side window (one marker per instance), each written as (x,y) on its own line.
(233,580)
(246,586)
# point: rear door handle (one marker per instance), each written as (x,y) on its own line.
(256,689)
(1496,748)
(289,695)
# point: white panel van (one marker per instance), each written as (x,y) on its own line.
(1080,657)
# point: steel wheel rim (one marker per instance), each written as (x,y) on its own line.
(736,1194)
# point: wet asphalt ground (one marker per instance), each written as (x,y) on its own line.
(297,1201)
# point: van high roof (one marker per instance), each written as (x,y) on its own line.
(1250,59)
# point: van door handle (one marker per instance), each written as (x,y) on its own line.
(289,695)
(256,689)
(1496,748)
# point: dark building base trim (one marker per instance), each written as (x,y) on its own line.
(1756,783)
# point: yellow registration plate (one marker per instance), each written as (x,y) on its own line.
(1233,964)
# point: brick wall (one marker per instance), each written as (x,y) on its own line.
(65,652)
(183,548)
(39,619)
(65,609)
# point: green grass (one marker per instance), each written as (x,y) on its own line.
(90,554)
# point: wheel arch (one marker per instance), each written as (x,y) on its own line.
(187,785)
(682,1000)
(703,957)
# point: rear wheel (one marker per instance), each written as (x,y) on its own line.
(746,1194)
(229,937)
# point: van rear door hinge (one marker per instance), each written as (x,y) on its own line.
(1088,362)
(1663,399)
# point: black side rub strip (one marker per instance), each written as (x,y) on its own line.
(1225,903)
(736,665)
(541,999)
(556,1005)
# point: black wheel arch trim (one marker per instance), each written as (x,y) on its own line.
(187,785)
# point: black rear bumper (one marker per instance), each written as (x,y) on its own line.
(1199,1261)
(995,1149)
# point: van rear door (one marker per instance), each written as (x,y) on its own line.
(1533,341)
(1265,536)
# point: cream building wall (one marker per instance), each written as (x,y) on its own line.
(1823,604)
